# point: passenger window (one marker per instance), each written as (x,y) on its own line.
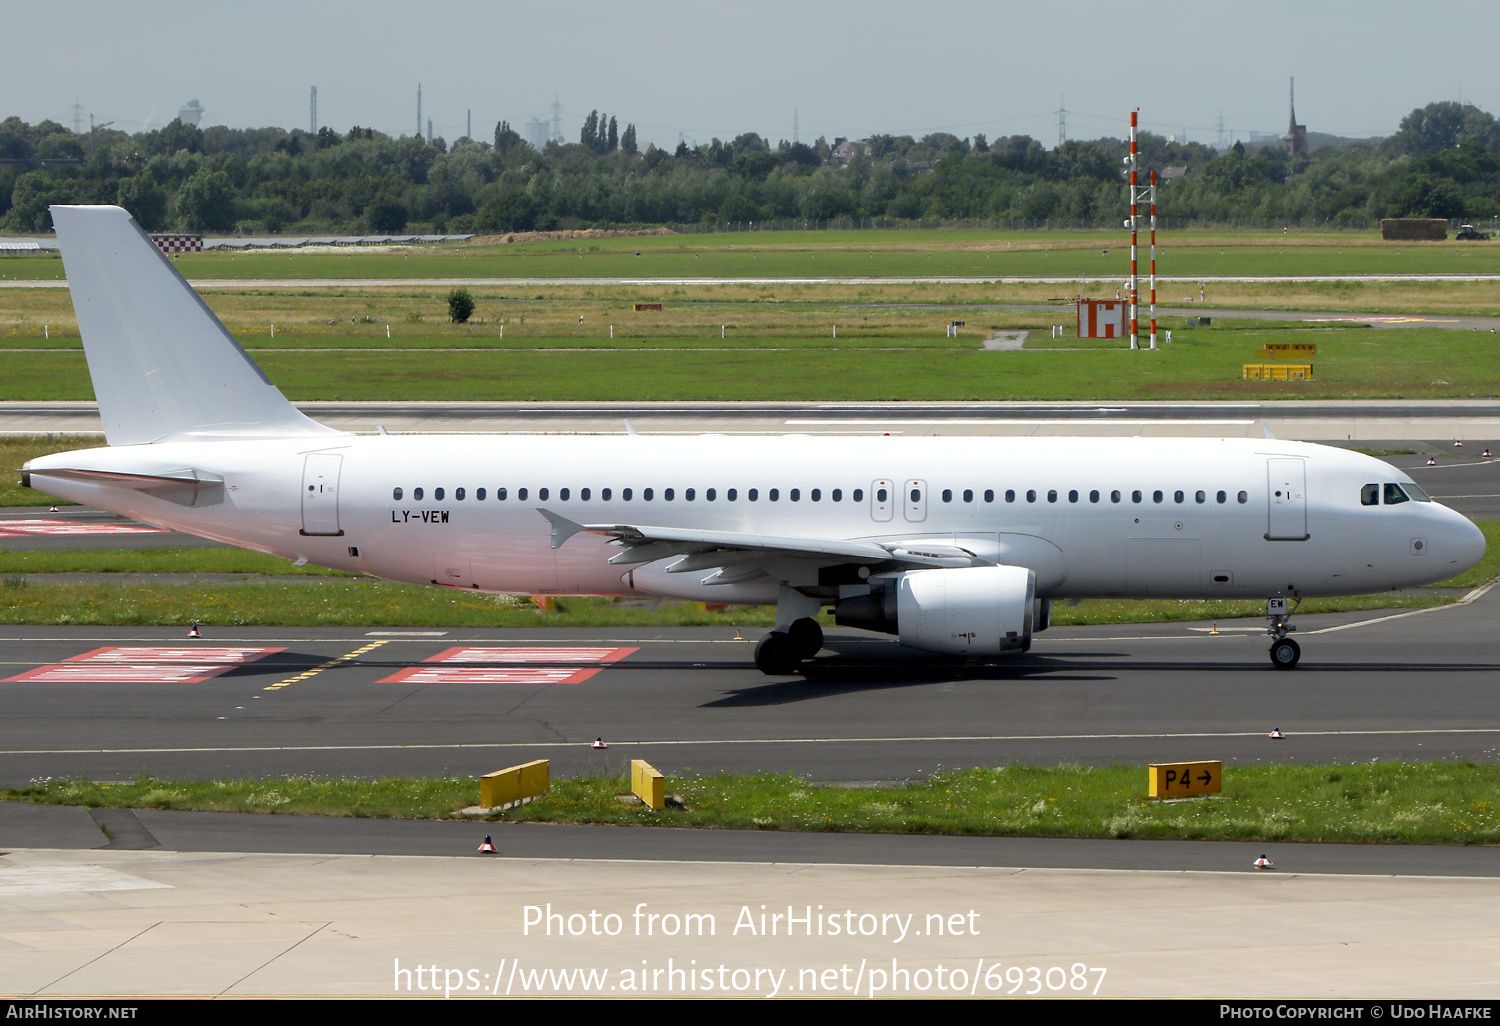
(989,495)
(711,494)
(859,495)
(1244,497)
(604,494)
(754,494)
(1156,496)
(541,494)
(1394,494)
(1094,495)
(500,495)
(1177,496)
(1010,495)
(733,494)
(1114,496)
(437,494)
(838,495)
(625,494)
(947,495)
(1223,498)
(458,493)
(416,493)
(1135,496)
(646,494)
(774,494)
(479,494)
(1200,497)
(562,493)
(667,494)
(396,494)
(796,495)
(968,495)
(690,494)
(1031,495)
(1051,494)
(817,495)
(583,493)
(1369,495)
(1073,495)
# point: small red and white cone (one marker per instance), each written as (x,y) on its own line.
(1458,445)
(1263,863)
(194,632)
(488,847)
(1486,454)
(1276,732)
(1431,462)
(598,743)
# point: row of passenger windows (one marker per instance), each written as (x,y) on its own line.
(882,495)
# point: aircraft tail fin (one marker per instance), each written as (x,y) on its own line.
(164,368)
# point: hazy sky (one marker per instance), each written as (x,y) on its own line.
(709,69)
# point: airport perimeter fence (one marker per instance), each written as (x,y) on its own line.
(1163,224)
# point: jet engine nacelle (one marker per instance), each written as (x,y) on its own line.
(981,610)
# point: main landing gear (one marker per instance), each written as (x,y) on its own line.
(781,652)
(1285,653)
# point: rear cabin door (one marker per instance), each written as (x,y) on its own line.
(320,494)
(1286,497)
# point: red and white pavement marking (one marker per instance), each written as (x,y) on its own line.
(491,665)
(16,528)
(205,654)
(120,665)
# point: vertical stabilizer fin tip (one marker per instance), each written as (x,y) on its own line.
(163,366)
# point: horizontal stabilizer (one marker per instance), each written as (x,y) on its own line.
(164,368)
(186,487)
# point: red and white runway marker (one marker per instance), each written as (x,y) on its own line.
(493,665)
(158,665)
(17,528)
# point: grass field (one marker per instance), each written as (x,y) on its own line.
(1389,803)
(847,254)
(885,364)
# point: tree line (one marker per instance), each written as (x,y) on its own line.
(1442,161)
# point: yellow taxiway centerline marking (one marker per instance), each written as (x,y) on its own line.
(324,666)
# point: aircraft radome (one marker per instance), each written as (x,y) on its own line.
(956,545)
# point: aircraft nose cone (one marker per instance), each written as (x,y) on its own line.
(1465,544)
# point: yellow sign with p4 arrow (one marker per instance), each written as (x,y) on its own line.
(1179,779)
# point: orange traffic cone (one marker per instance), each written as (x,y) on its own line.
(598,743)
(488,847)
(1263,863)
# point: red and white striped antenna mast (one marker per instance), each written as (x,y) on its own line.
(1136,195)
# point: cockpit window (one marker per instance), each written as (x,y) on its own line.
(1369,495)
(1416,492)
(1394,494)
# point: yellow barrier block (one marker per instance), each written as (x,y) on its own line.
(1277,371)
(1176,779)
(1288,351)
(648,784)
(511,785)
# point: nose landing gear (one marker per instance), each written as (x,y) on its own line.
(1285,653)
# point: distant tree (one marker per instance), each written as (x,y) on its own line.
(589,137)
(460,306)
(509,212)
(328,137)
(981,144)
(801,153)
(1442,126)
(145,201)
(627,140)
(206,202)
(754,165)
(359,133)
(386,214)
(505,136)
(613,143)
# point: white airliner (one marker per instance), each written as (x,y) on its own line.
(956,545)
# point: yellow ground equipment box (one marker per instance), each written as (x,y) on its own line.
(648,784)
(511,785)
(1179,779)
(1278,372)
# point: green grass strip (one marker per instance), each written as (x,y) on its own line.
(1388,803)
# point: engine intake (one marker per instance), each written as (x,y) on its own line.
(982,610)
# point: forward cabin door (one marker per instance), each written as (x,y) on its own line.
(1286,496)
(320,494)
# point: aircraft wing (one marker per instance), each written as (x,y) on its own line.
(740,556)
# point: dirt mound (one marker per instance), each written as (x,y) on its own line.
(576,233)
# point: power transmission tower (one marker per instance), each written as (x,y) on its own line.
(557,135)
(419,110)
(77,110)
(312,113)
(1062,121)
(794,126)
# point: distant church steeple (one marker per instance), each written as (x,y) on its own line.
(1295,139)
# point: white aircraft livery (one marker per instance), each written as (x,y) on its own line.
(956,545)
